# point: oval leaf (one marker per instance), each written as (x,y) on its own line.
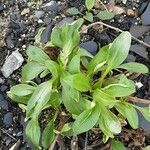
(119,50)
(105,15)
(117,145)
(89,4)
(48,134)
(134,67)
(86,120)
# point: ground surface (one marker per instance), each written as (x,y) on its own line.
(19,23)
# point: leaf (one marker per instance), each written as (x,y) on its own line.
(84,53)
(124,87)
(22,89)
(131,115)
(48,134)
(31,70)
(78,81)
(134,67)
(89,4)
(18,99)
(37,54)
(74,105)
(117,145)
(73,11)
(74,65)
(103,98)
(44,73)
(99,58)
(39,98)
(33,132)
(119,50)
(89,16)
(38,36)
(86,120)
(109,122)
(105,15)
(66,37)
(53,67)
(145,112)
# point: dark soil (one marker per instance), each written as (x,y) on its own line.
(19,23)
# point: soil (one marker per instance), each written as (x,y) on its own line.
(19,23)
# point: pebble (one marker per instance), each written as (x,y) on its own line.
(3,103)
(25,11)
(12,63)
(10,43)
(130,13)
(8,119)
(138,31)
(51,6)
(90,46)
(147,40)
(39,14)
(65,20)
(140,50)
(146,16)
(46,34)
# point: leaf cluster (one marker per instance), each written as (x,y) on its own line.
(83,84)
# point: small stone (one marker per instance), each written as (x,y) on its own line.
(46,34)
(47,20)
(139,85)
(8,119)
(146,16)
(25,11)
(3,88)
(12,63)
(51,6)
(10,43)
(139,50)
(39,14)
(147,40)
(138,31)
(90,46)
(65,20)
(3,103)
(40,21)
(130,13)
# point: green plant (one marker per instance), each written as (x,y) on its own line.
(89,4)
(86,89)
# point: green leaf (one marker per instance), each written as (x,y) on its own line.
(74,65)
(86,120)
(99,58)
(66,37)
(74,104)
(53,67)
(103,98)
(124,87)
(33,132)
(39,98)
(37,54)
(89,16)
(48,134)
(19,99)
(145,112)
(31,70)
(78,81)
(89,4)
(85,53)
(117,145)
(22,89)
(109,122)
(44,73)
(131,115)
(73,11)
(38,36)
(129,112)
(134,67)
(105,15)
(119,50)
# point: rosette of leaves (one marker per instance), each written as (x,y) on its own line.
(72,85)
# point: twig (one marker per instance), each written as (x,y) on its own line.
(138,100)
(114,28)
(8,134)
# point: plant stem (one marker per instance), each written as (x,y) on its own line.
(114,28)
(138,100)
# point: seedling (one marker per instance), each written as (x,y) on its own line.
(82,85)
